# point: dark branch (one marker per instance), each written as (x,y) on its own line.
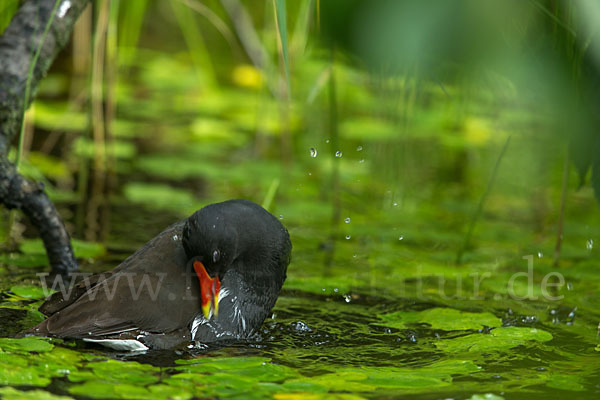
(18,44)
(17,192)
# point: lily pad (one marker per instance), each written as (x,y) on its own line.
(447,319)
(29,292)
(82,249)
(21,376)
(9,393)
(24,260)
(25,345)
(130,372)
(316,396)
(161,197)
(210,364)
(367,379)
(106,390)
(497,339)
(572,383)
(486,396)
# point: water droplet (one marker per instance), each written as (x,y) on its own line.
(401,237)
(338,154)
(280,216)
(214,226)
(348,237)
(395,204)
(347,220)
(569,286)
(355,255)
(310,174)
(175,237)
(590,244)
(327,141)
(362,160)
(359,148)
(540,254)
(313,152)
(347,298)
(335,290)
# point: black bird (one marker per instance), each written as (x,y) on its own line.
(213,276)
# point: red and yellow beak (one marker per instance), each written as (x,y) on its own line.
(209,289)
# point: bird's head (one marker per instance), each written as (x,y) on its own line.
(210,242)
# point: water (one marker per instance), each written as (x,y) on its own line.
(386,314)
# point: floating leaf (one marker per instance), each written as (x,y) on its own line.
(211,364)
(26,345)
(82,249)
(158,196)
(497,339)
(58,116)
(24,260)
(9,393)
(486,396)
(29,292)
(121,149)
(105,390)
(316,396)
(50,166)
(572,383)
(447,319)
(21,376)
(118,372)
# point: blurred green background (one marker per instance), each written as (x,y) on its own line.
(406,146)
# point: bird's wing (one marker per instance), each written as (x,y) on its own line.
(147,292)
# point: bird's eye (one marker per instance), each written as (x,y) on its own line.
(216,256)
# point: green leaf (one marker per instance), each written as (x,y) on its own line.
(368,128)
(9,393)
(497,339)
(29,292)
(21,376)
(25,345)
(447,319)
(24,260)
(82,249)
(50,166)
(316,396)
(211,364)
(571,382)
(486,396)
(169,392)
(121,149)
(161,197)
(125,372)
(58,116)
(104,390)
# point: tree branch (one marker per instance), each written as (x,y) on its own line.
(18,44)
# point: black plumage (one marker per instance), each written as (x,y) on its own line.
(154,295)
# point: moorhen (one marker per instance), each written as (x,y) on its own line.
(213,276)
